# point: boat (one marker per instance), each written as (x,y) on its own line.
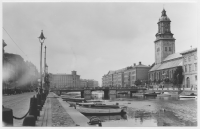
(95,109)
(100,102)
(151,94)
(192,95)
(74,99)
(164,94)
(138,94)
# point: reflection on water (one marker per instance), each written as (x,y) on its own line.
(153,111)
(111,117)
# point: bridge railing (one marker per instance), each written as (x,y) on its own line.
(100,88)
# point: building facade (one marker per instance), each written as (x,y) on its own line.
(65,80)
(126,76)
(190,68)
(88,83)
(166,60)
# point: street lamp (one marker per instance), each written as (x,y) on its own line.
(41,40)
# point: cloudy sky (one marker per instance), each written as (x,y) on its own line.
(93,38)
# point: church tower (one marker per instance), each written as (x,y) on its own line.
(164,43)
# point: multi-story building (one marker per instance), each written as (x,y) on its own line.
(65,80)
(126,76)
(89,83)
(190,68)
(83,82)
(118,77)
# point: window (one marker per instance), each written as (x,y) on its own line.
(185,59)
(170,49)
(188,58)
(195,57)
(190,68)
(195,66)
(195,77)
(165,48)
(185,68)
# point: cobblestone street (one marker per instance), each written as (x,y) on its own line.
(59,116)
(19,104)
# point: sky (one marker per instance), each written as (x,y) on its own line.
(94,37)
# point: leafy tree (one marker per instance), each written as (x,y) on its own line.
(138,82)
(166,80)
(158,81)
(154,81)
(178,76)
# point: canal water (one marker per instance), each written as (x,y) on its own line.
(151,111)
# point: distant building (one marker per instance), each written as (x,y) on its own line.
(190,68)
(65,80)
(126,76)
(88,83)
(83,82)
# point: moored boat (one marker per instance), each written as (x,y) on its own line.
(138,94)
(94,109)
(74,99)
(151,94)
(188,96)
(164,94)
(100,102)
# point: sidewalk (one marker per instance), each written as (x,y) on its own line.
(57,113)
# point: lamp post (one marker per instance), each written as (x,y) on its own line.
(41,40)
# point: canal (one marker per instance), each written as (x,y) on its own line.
(152,111)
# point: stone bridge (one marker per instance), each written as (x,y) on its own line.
(109,92)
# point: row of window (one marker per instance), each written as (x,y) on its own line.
(189,58)
(163,74)
(170,49)
(190,67)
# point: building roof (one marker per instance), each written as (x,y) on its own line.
(164,16)
(110,72)
(172,56)
(141,65)
(155,67)
(189,51)
(169,64)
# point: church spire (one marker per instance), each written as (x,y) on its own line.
(164,12)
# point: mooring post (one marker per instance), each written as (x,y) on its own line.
(7,117)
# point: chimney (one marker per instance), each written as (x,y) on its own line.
(134,64)
(140,63)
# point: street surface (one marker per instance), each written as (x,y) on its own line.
(19,104)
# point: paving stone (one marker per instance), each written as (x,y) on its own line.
(59,116)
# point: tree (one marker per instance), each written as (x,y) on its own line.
(154,81)
(138,82)
(178,76)
(166,80)
(158,81)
